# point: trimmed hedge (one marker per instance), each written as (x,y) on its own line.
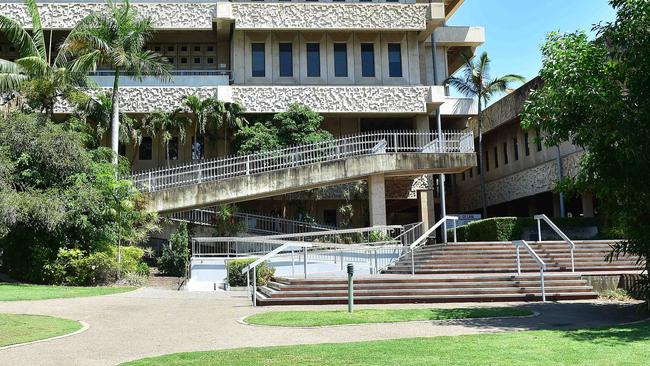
(236,278)
(510,228)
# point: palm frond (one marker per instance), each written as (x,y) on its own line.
(18,36)
(34,65)
(37,29)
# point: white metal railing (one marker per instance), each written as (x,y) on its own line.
(267,256)
(424,237)
(557,230)
(254,223)
(357,145)
(542,266)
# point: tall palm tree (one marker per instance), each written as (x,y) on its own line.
(475,82)
(43,79)
(166,124)
(115,38)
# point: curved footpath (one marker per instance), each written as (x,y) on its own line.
(150,322)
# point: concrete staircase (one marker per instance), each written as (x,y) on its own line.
(500,257)
(424,289)
(462,272)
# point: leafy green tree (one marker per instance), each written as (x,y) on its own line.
(232,117)
(596,94)
(115,38)
(206,111)
(299,125)
(55,193)
(176,253)
(475,82)
(226,223)
(35,76)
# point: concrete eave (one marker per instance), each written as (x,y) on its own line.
(459,107)
(459,36)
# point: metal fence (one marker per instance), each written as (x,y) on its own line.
(358,145)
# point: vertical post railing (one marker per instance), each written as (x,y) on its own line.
(254,286)
(557,230)
(304,269)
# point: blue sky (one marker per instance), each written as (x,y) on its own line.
(514,29)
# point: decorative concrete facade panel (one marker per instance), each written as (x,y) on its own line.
(323,16)
(529,182)
(163,15)
(334,99)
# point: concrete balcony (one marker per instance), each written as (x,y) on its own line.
(340,99)
(460,36)
(185,78)
(329,16)
(273,99)
(459,107)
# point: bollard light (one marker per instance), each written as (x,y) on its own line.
(350,287)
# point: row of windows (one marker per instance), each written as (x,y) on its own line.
(285,58)
(145,150)
(504,153)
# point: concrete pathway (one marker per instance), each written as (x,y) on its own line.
(151,321)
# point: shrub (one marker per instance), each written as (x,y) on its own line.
(510,228)
(236,278)
(176,253)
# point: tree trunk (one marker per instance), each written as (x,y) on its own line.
(481,158)
(115,118)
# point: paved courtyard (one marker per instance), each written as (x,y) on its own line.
(154,321)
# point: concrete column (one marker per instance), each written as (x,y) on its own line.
(377,199)
(427,213)
(588,204)
(557,212)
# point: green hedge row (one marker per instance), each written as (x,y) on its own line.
(510,228)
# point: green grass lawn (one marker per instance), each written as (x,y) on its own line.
(20,328)
(620,345)
(321,318)
(13,292)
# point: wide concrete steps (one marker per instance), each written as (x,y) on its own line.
(500,257)
(424,289)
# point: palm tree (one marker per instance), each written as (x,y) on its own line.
(34,73)
(116,38)
(233,118)
(476,83)
(166,124)
(205,111)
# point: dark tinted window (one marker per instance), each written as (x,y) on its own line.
(198,144)
(515,148)
(526,146)
(313,59)
(505,153)
(286,59)
(496,157)
(258,62)
(173,148)
(145,149)
(394,60)
(367,60)
(340,60)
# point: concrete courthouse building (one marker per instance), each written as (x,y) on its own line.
(365,66)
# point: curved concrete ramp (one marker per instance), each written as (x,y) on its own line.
(300,178)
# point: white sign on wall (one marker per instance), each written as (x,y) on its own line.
(463,219)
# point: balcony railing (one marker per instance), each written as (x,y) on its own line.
(360,145)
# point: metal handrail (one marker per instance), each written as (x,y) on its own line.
(355,145)
(423,238)
(557,230)
(266,257)
(333,232)
(260,223)
(540,262)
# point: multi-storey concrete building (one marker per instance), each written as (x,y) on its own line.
(364,65)
(520,170)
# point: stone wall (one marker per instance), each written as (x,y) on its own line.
(528,182)
(163,15)
(325,16)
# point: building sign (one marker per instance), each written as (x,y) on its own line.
(463,219)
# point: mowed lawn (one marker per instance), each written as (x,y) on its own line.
(620,345)
(21,328)
(363,316)
(14,292)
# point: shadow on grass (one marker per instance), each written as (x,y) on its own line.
(612,337)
